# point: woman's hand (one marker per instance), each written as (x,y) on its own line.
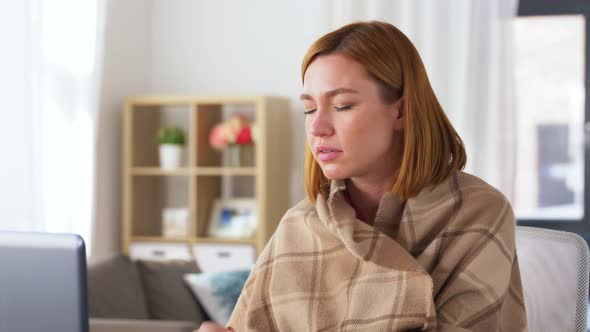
(212,327)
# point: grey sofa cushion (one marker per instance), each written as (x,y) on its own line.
(114,290)
(168,297)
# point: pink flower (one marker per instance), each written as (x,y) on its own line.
(218,138)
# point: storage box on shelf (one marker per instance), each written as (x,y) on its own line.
(203,177)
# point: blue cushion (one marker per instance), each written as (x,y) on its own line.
(217,292)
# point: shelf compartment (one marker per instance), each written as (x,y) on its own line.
(210,188)
(144,124)
(206,118)
(151,194)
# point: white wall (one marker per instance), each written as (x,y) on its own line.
(228,47)
(126,72)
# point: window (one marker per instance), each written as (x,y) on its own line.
(553,111)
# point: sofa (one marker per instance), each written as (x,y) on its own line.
(147,296)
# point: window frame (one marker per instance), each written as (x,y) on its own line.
(567,7)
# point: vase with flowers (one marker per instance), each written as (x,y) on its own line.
(237,136)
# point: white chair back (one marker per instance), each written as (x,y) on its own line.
(554,273)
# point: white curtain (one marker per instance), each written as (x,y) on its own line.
(466,46)
(54,53)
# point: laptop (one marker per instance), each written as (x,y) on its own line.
(42,283)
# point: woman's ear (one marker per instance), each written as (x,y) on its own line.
(399,110)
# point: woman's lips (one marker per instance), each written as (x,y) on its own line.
(326,152)
(329,155)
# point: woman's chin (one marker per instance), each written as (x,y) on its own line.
(332,173)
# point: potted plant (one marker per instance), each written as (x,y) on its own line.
(171,141)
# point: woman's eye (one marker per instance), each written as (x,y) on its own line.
(342,108)
(308,111)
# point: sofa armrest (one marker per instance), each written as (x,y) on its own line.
(131,325)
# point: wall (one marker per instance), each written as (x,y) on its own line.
(126,72)
(229,47)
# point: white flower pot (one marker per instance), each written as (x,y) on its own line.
(170,156)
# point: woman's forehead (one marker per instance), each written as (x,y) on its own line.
(332,72)
(334,67)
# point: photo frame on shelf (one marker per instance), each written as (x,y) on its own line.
(233,218)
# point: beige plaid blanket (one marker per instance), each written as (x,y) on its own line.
(444,260)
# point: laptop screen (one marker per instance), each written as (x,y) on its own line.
(42,282)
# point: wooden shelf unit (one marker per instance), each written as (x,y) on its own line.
(147,187)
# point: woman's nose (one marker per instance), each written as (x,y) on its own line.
(321,124)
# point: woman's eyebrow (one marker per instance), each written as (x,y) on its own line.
(329,94)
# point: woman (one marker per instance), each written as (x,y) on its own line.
(393,236)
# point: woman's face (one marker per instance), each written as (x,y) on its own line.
(351,132)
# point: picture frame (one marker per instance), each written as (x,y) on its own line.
(233,218)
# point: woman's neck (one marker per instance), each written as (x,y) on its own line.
(365,197)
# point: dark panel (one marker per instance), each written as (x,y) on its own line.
(552,7)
